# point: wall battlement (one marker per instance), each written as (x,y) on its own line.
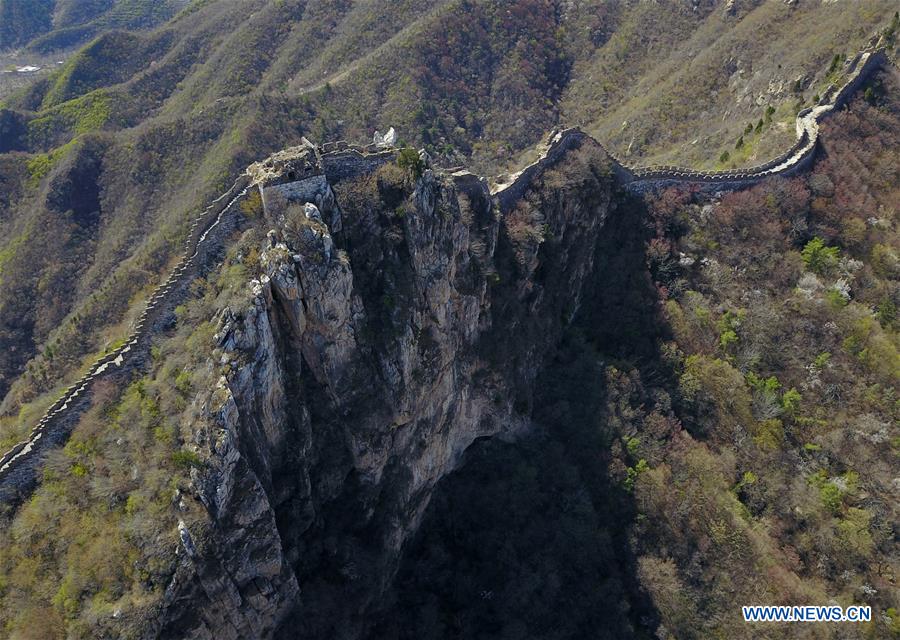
(20,465)
(299,173)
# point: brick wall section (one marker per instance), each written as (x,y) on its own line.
(353,162)
(20,466)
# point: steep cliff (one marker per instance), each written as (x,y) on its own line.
(374,350)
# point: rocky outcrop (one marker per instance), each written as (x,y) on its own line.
(365,365)
(382,341)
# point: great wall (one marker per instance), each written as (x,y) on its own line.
(333,162)
(649,178)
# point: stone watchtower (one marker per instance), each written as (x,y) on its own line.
(295,175)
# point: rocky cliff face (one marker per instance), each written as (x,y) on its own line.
(376,348)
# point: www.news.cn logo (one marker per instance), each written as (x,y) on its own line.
(807,614)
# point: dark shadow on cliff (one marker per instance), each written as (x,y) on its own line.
(529,539)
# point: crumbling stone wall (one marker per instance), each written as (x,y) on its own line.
(19,466)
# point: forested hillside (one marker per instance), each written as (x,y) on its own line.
(154,123)
(719,419)
(50,25)
(753,454)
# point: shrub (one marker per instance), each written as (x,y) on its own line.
(835,63)
(831,497)
(821,360)
(728,325)
(713,385)
(408,159)
(632,474)
(820,258)
(836,299)
(853,533)
(886,311)
(885,262)
(791,400)
(769,435)
(186,459)
(868,342)
(252,206)
(727,338)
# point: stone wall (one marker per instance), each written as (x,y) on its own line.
(300,191)
(642,179)
(19,467)
(351,163)
(560,144)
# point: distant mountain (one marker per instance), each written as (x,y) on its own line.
(47,25)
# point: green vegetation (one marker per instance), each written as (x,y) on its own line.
(178,124)
(819,258)
(252,206)
(136,133)
(107,508)
(82,115)
(40,165)
(408,159)
(97,535)
(826,398)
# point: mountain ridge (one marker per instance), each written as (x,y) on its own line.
(640,179)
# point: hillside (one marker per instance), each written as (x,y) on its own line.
(165,117)
(746,472)
(299,410)
(50,25)
(312,410)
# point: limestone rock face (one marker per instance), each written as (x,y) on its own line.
(368,360)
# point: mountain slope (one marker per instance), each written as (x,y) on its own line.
(295,418)
(48,25)
(293,422)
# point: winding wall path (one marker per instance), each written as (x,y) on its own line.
(642,179)
(19,466)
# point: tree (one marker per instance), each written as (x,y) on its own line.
(408,159)
(819,258)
